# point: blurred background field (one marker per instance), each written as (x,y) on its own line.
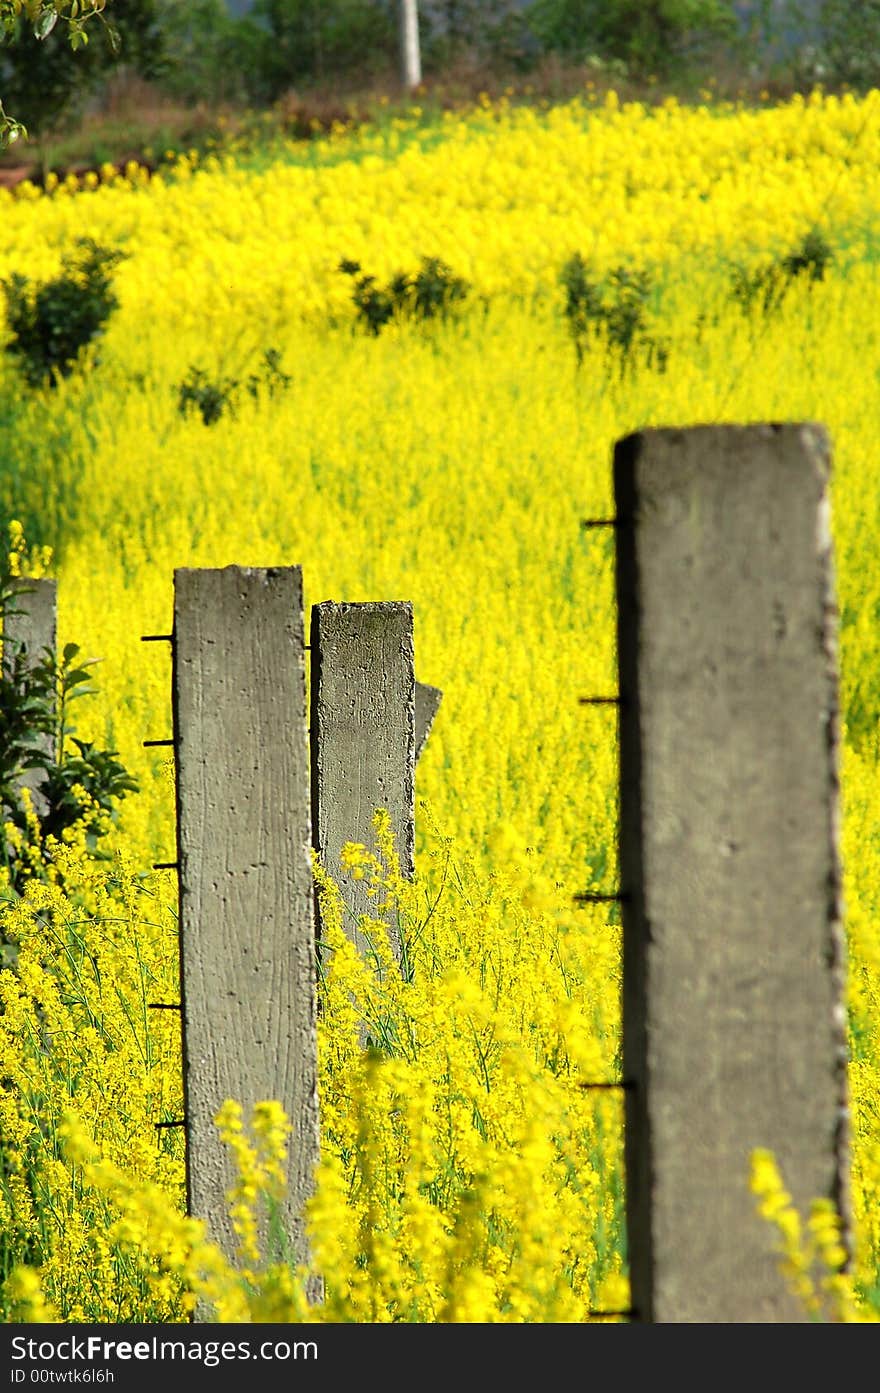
(190,76)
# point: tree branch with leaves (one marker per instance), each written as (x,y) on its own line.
(43,16)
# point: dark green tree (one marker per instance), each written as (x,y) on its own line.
(849,46)
(44,84)
(649,36)
(309,40)
(40,18)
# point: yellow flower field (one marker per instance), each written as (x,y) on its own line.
(448,463)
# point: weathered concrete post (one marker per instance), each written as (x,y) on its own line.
(733,950)
(31,619)
(246,889)
(363,736)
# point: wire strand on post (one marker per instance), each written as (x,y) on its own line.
(594,897)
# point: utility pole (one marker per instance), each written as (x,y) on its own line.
(410,55)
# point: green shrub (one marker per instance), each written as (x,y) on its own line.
(76,783)
(52,323)
(212,396)
(429,294)
(614,310)
(765,287)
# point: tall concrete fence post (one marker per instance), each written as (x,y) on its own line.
(31,619)
(246,889)
(733,951)
(363,737)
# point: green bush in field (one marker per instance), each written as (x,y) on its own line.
(429,294)
(77,784)
(615,308)
(766,287)
(54,322)
(212,396)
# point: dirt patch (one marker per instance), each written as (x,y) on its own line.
(10,175)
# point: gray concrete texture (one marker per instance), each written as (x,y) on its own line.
(32,616)
(734,1034)
(363,702)
(246,892)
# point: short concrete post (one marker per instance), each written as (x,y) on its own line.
(733,951)
(363,737)
(246,888)
(31,619)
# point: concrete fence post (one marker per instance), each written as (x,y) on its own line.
(32,620)
(246,891)
(363,696)
(733,953)
(32,617)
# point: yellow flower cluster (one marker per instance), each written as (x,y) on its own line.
(77,1031)
(478,1169)
(259,1167)
(24,563)
(813,1263)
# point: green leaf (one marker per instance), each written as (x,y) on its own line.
(46,21)
(70,651)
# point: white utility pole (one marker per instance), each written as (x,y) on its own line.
(410,54)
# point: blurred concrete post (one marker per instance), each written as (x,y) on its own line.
(410,50)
